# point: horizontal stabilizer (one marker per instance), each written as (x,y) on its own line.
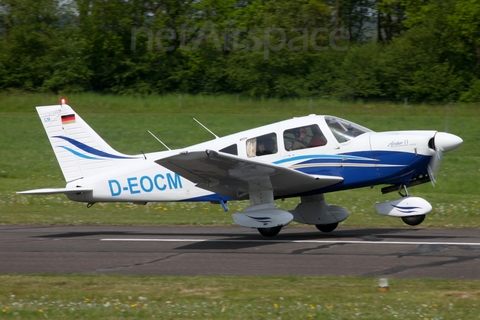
(55,191)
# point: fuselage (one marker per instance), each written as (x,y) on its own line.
(359,155)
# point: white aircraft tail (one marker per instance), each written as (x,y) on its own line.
(80,151)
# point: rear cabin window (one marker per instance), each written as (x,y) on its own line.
(262,145)
(303,138)
(230,149)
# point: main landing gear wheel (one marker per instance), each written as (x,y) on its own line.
(269,232)
(327,227)
(414,220)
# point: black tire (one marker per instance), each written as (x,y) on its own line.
(414,220)
(269,232)
(327,227)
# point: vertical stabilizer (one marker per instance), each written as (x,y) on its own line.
(80,151)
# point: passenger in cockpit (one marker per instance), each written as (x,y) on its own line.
(265,146)
(318,138)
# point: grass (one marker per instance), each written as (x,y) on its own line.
(28,162)
(114,297)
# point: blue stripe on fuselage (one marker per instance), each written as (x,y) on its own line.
(329,157)
(211,197)
(359,169)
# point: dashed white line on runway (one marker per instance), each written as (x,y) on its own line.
(296,241)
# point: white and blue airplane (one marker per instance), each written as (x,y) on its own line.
(302,157)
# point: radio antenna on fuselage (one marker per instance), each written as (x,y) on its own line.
(216,137)
(159,140)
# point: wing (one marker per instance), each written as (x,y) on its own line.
(230,175)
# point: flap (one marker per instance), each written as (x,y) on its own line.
(229,175)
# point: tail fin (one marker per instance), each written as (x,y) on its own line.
(80,151)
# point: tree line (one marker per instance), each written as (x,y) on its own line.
(344,49)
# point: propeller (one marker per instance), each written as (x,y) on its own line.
(434,165)
(442,142)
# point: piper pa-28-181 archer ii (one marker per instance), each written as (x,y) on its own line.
(302,157)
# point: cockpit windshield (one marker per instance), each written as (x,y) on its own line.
(344,130)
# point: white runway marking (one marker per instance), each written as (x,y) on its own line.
(298,241)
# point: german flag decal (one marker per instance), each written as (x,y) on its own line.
(69,118)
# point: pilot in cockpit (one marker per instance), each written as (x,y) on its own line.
(300,136)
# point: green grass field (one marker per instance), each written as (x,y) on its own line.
(28,162)
(120,297)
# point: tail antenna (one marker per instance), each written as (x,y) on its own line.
(216,137)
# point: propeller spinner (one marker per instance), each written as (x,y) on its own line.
(442,142)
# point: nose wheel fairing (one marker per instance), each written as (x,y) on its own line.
(404,207)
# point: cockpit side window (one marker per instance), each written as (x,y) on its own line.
(262,145)
(303,137)
(230,149)
(344,130)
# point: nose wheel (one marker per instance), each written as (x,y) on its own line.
(410,220)
(414,220)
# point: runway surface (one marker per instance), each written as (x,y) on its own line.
(396,253)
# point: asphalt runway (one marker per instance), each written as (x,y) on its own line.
(394,253)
